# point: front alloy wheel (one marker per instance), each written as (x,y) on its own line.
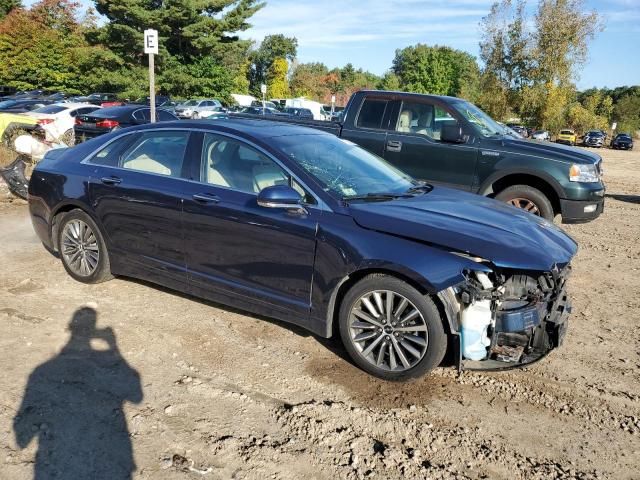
(390,329)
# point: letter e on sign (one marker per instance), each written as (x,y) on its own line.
(151,41)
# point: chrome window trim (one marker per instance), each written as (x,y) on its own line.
(320,205)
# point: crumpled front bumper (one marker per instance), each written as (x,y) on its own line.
(548,335)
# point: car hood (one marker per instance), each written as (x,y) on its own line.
(551,151)
(462,222)
(548,150)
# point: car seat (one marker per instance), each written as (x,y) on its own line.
(424,124)
(404,123)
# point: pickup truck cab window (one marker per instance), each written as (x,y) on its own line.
(422,118)
(482,122)
(372,113)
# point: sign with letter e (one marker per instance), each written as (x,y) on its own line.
(151,41)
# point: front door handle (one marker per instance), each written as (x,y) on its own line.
(206,198)
(394,146)
(111,180)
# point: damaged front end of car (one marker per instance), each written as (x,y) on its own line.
(507,318)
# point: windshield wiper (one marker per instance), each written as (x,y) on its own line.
(421,187)
(375,197)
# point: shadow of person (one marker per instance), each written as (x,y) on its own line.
(73,404)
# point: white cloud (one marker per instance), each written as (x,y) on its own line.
(334,22)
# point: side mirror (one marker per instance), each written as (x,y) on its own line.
(452,133)
(281,196)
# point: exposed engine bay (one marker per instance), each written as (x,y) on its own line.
(510,318)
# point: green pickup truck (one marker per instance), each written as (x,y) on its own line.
(451,142)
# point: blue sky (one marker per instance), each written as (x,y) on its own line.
(367,33)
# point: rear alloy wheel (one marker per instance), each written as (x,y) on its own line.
(82,248)
(528,199)
(390,329)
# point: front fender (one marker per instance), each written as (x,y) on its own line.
(345,250)
(503,172)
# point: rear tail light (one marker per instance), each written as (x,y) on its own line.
(45,121)
(107,124)
(78,121)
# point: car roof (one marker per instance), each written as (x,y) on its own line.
(256,128)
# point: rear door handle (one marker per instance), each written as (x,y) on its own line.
(394,146)
(111,180)
(206,198)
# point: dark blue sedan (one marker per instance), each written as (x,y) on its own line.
(302,226)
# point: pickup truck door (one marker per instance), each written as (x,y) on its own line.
(369,127)
(413,145)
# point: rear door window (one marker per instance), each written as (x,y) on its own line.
(372,113)
(163,116)
(142,115)
(109,156)
(161,153)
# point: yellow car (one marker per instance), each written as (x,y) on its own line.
(13,123)
(568,137)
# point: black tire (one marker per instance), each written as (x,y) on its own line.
(533,195)
(102,270)
(436,338)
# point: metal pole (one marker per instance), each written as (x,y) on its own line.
(152,87)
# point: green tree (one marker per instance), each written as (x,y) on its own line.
(197,37)
(277,84)
(437,70)
(627,114)
(536,67)
(308,80)
(272,47)
(389,81)
(37,46)
(7,5)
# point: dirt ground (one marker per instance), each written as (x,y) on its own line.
(169,387)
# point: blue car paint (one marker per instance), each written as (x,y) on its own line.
(272,262)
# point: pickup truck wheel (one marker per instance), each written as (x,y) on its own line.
(390,329)
(529,199)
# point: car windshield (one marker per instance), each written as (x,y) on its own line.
(486,125)
(7,103)
(344,169)
(566,132)
(190,103)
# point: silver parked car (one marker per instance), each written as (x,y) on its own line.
(541,135)
(194,108)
